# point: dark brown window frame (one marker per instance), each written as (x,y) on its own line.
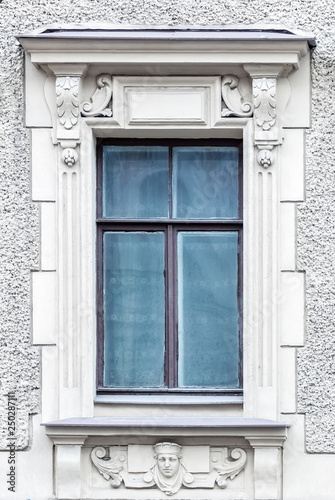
(171,227)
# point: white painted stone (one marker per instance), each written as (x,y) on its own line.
(48,236)
(37,112)
(50,387)
(288,236)
(176,105)
(292,167)
(267,473)
(305,475)
(68,471)
(195,458)
(44,300)
(288,368)
(292,309)
(298,109)
(43,158)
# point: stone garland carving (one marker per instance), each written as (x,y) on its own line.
(99,103)
(233,99)
(168,472)
(67,91)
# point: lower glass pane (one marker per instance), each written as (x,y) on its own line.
(208,334)
(134,305)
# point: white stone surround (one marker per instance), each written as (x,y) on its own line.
(273,75)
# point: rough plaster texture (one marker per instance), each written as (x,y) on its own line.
(19,363)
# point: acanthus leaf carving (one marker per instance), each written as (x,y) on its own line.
(234,101)
(230,467)
(67,91)
(264,90)
(108,466)
(168,471)
(99,103)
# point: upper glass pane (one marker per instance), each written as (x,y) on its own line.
(208,337)
(134,309)
(205,182)
(135,182)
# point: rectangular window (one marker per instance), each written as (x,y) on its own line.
(169,226)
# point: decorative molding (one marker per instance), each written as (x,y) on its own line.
(265,157)
(67,92)
(233,100)
(168,471)
(264,92)
(70,156)
(100,102)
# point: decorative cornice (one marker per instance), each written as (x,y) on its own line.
(233,100)
(100,102)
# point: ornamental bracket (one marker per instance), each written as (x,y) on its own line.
(267,129)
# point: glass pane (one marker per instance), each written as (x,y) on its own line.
(205,182)
(208,309)
(135,182)
(134,304)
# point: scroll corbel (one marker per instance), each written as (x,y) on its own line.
(99,103)
(235,104)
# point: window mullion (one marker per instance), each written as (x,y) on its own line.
(171,320)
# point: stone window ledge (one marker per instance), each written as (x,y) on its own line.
(270,432)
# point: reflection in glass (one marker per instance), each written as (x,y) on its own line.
(205,182)
(208,309)
(135,181)
(134,306)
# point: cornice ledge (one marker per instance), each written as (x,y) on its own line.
(261,429)
(97,45)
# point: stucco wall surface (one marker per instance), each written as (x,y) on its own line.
(19,239)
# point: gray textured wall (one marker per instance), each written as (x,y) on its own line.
(19,363)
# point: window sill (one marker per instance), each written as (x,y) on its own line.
(168,399)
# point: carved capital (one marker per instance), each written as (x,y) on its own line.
(67,92)
(100,102)
(235,103)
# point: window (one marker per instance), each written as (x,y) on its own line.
(169,239)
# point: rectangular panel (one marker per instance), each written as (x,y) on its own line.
(292,185)
(134,309)
(292,309)
(288,236)
(48,236)
(208,334)
(288,396)
(135,181)
(43,158)
(172,104)
(44,314)
(205,182)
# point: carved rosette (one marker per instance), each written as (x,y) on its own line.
(168,471)
(233,100)
(100,102)
(265,157)
(70,156)
(67,91)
